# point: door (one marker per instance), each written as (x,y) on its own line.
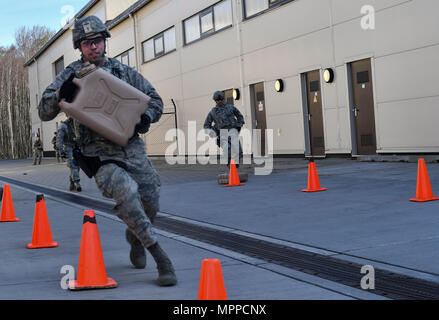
(362,107)
(315,114)
(260,120)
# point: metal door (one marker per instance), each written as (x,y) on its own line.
(314,114)
(260,119)
(362,107)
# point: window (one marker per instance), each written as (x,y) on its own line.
(128,58)
(253,7)
(208,21)
(159,45)
(59,66)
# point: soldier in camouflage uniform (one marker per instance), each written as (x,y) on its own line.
(65,142)
(223,117)
(129,178)
(38,150)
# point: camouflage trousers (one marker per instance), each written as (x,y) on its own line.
(38,154)
(135,189)
(71,164)
(229,142)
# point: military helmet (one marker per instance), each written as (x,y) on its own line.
(218,95)
(88,26)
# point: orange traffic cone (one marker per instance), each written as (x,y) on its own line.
(313,179)
(211,285)
(8,212)
(233,176)
(41,236)
(423,187)
(91,268)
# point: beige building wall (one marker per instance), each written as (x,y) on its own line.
(115,7)
(301,36)
(122,38)
(285,42)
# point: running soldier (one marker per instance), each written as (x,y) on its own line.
(126,173)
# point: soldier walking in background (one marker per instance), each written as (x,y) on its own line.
(38,150)
(65,142)
(225,116)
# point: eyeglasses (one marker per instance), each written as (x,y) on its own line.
(95,41)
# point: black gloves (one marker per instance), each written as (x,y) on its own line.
(143,125)
(64,155)
(68,89)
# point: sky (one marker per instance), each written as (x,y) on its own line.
(50,13)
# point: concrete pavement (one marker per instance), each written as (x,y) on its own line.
(365,216)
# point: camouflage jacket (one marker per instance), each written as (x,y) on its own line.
(38,145)
(91,143)
(225,116)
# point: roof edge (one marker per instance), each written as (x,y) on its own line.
(125,14)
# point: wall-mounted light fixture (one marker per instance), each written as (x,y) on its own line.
(236,94)
(328,75)
(279,85)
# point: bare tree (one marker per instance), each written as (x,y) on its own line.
(15,122)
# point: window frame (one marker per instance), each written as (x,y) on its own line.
(154,38)
(208,33)
(203,14)
(271,6)
(127,53)
(55,64)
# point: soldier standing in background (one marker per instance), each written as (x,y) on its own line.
(126,173)
(65,142)
(38,150)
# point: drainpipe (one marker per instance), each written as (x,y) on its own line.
(136,47)
(38,94)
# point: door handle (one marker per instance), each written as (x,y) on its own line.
(256,123)
(356,111)
(309,116)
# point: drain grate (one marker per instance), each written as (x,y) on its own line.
(387,284)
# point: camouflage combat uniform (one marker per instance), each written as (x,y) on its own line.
(38,151)
(226,117)
(125,173)
(65,141)
(136,187)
